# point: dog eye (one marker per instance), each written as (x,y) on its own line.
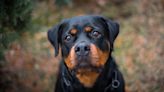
(96,34)
(68,38)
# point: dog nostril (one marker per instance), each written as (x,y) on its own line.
(87,48)
(77,49)
(82,49)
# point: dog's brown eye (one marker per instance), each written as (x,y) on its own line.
(68,38)
(96,34)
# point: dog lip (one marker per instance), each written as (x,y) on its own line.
(88,67)
(82,58)
(83,64)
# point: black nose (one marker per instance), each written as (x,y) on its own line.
(82,49)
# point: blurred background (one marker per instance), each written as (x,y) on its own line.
(27,62)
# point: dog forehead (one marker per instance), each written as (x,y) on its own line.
(81,20)
(84,21)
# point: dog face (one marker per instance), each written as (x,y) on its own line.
(86,43)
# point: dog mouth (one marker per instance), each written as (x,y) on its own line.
(85,70)
(86,67)
(85,63)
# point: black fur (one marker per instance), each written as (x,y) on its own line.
(66,80)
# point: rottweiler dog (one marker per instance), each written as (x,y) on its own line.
(87,65)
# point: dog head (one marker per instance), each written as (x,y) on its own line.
(86,43)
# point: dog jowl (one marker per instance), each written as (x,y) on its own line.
(86,44)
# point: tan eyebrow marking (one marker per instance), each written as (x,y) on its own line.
(73,31)
(88,29)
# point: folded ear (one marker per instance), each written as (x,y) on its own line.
(113,30)
(53,37)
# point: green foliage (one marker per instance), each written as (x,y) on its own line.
(15,16)
(63,2)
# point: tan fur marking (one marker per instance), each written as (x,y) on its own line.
(87,77)
(88,29)
(73,31)
(98,57)
(70,60)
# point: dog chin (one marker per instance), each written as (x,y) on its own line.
(87,76)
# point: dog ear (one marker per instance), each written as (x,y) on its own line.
(53,36)
(113,30)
